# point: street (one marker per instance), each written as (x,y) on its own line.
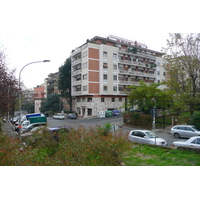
(117,120)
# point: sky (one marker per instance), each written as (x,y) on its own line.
(36,30)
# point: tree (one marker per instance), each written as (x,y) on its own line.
(183,56)
(29,107)
(64,82)
(53,103)
(147,97)
(8,86)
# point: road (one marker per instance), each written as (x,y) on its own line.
(117,120)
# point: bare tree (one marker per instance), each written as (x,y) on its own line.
(8,86)
(183,56)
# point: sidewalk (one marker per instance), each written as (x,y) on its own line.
(8,129)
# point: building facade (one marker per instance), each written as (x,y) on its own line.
(102,68)
(39,96)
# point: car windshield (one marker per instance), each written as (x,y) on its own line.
(150,134)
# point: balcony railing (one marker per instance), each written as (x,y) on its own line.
(136,73)
(76,72)
(121,82)
(76,82)
(75,62)
(145,55)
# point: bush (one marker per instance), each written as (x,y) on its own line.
(86,147)
(195,119)
(138,120)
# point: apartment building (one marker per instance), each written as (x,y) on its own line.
(102,68)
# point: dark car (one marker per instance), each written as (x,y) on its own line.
(71,116)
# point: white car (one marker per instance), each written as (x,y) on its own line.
(185,131)
(192,142)
(146,137)
(59,116)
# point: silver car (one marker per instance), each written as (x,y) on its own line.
(146,137)
(186,131)
(192,142)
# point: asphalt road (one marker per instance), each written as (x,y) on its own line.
(116,120)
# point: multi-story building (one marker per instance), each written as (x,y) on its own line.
(102,68)
(39,95)
(52,83)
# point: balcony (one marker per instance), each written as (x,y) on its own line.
(137,73)
(129,62)
(74,73)
(76,83)
(75,62)
(121,82)
(142,54)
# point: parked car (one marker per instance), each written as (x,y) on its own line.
(71,116)
(59,116)
(146,137)
(185,131)
(116,112)
(32,131)
(31,126)
(192,142)
(53,131)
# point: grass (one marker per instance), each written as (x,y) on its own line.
(145,155)
(90,147)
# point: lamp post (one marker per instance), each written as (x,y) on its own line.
(19,87)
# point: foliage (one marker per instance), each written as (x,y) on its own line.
(53,103)
(64,81)
(105,129)
(195,119)
(84,146)
(183,57)
(137,119)
(8,86)
(147,97)
(29,107)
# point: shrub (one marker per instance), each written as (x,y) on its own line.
(195,119)
(84,146)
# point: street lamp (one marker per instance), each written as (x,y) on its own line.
(19,87)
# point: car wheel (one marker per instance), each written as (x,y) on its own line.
(176,135)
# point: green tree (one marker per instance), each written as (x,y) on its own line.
(183,56)
(53,103)
(64,81)
(29,107)
(147,97)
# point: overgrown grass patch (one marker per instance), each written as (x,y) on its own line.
(145,155)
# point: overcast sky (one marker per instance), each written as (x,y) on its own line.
(44,29)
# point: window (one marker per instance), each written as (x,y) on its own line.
(85,65)
(104,54)
(102,99)
(84,53)
(114,88)
(114,77)
(105,65)
(113,99)
(164,73)
(105,88)
(78,99)
(85,88)
(89,111)
(84,76)
(114,56)
(89,99)
(120,99)
(105,76)
(114,66)
(158,73)
(83,99)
